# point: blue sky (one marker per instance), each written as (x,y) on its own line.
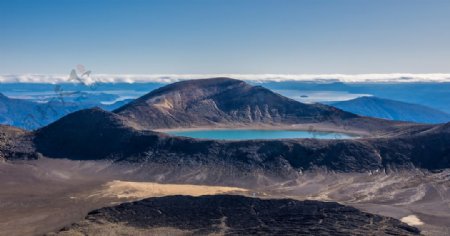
(225,36)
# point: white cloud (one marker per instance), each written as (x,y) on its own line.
(169,78)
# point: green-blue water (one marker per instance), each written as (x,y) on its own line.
(234,134)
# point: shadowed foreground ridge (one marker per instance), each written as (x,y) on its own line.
(96,134)
(236,215)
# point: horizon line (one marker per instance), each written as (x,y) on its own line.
(257,78)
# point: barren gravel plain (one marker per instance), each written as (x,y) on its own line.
(42,196)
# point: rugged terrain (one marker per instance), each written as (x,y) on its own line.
(43,195)
(399,166)
(16,143)
(94,134)
(97,135)
(235,215)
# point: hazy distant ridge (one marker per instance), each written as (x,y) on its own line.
(393,110)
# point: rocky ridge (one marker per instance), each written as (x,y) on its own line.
(235,215)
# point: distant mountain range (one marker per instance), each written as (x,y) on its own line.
(434,95)
(392,110)
(31,115)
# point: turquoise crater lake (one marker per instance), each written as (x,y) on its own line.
(238,134)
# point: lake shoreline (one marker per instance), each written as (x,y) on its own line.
(309,127)
(259,134)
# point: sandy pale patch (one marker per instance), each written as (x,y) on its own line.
(140,190)
(412,220)
(105,228)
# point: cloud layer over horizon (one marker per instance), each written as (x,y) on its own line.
(170,78)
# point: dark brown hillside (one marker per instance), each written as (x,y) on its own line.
(222,101)
(97,134)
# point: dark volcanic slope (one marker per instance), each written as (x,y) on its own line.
(16,144)
(97,134)
(91,134)
(222,101)
(237,215)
